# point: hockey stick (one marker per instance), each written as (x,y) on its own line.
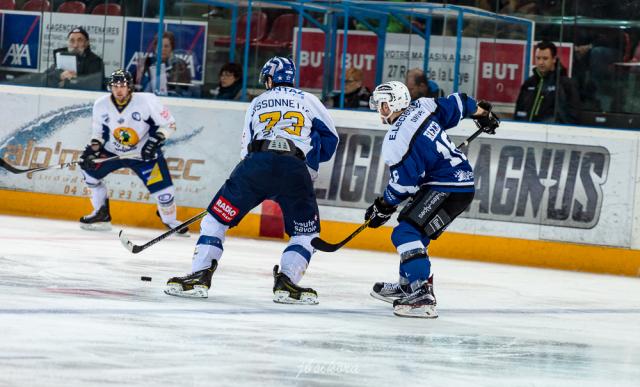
(126,242)
(322,245)
(15,170)
(325,246)
(465,143)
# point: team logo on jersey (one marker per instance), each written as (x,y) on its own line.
(105,118)
(224,209)
(126,136)
(463,175)
(432,130)
(165,113)
(136,116)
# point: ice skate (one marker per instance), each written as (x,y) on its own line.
(286,292)
(195,285)
(183,232)
(421,303)
(98,221)
(389,291)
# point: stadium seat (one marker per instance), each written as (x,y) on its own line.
(112,9)
(258,29)
(72,7)
(281,33)
(37,5)
(7,4)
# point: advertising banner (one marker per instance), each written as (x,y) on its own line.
(361,54)
(536,182)
(357,174)
(403,52)
(501,70)
(105,36)
(48,130)
(190,41)
(20,41)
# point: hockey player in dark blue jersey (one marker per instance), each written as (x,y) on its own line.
(287,134)
(427,169)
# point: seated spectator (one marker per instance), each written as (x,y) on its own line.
(230,82)
(596,56)
(419,86)
(175,78)
(76,66)
(539,99)
(356,95)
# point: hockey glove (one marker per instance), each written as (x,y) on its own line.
(152,146)
(488,122)
(379,213)
(91,152)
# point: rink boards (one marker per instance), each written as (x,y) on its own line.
(549,196)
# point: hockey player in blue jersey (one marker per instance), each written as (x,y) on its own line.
(287,134)
(426,168)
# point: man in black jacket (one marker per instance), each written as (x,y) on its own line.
(89,68)
(549,95)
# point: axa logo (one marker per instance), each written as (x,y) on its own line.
(18,52)
(224,209)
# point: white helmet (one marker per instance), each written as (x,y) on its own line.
(394,93)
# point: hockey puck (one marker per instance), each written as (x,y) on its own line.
(145,278)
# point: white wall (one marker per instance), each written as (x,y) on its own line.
(546,182)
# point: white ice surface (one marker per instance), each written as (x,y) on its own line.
(73,312)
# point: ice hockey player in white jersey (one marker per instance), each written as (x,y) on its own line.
(287,134)
(427,169)
(136,125)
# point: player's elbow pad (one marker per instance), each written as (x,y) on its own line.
(167,131)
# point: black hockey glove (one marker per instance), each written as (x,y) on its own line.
(152,146)
(487,122)
(91,152)
(379,213)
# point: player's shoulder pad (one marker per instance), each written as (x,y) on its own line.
(414,122)
(147,96)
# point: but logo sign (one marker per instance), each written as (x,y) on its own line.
(500,70)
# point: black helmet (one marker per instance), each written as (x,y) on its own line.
(121,76)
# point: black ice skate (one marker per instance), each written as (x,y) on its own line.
(184,232)
(421,303)
(100,221)
(194,285)
(286,292)
(389,291)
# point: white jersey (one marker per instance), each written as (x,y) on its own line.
(127,130)
(293,114)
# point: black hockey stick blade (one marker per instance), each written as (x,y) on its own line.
(135,249)
(325,246)
(10,167)
(15,170)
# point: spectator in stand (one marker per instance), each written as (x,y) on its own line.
(419,86)
(84,71)
(524,7)
(548,95)
(356,95)
(230,82)
(176,77)
(595,54)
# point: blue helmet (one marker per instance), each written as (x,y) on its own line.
(280,69)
